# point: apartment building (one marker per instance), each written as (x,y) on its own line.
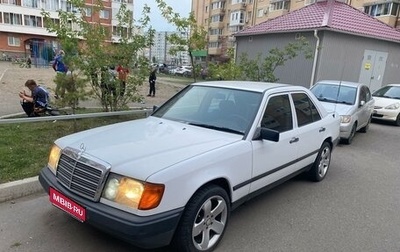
(223,18)
(160,51)
(22,30)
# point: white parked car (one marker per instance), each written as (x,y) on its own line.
(174,177)
(353,101)
(184,71)
(387,103)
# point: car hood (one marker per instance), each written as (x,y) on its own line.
(142,147)
(383,102)
(341,109)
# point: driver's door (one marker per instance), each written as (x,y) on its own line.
(274,160)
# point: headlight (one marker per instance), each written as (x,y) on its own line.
(345,118)
(133,193)
(54,157)
(393,106)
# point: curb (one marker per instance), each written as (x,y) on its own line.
(17,189)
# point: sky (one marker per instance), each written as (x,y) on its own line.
(182,7)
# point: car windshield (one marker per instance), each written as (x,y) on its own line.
(335,93)
(392,92)
(224,109)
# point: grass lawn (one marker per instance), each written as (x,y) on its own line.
(24,147)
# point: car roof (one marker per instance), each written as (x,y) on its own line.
(339,82)
(246,85)
(393,84)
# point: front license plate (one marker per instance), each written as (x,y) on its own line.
(67,205)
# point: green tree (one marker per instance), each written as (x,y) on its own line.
(190,35)
(228,70)
(89,54)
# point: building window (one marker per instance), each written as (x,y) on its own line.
(217,18)
(31,3)
(383,9)
(260,12)
(13,2)
(214,45)
(308,2)
(216,32)
(12,18)
(236,28)
(88,11)
(217,5)
(123,1)
(123,32)
(32,21)
(104,14)
(52,5)
(282,5)
(14,41)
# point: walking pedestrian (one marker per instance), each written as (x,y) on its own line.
(61,70)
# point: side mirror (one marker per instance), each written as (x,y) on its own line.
(362,103)
(267,134)
(155,107)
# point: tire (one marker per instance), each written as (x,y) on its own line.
(352,134)
(321,164)
(397,122)
(366,127)
(207,214)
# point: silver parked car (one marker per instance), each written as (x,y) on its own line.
(351,100)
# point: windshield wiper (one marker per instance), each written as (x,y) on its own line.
(345,102)
(208,126)
(321,98)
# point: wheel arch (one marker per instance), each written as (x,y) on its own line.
(221,182)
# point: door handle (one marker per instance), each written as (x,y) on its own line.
(294,140)
(322,129)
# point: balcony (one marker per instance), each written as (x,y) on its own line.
(239,6)
(215,38)
(214,51)
(219,11)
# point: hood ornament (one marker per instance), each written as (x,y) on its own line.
(82,148)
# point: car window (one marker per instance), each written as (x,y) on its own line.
(365,94)
(306,110)
(278,114)
(335,93)
(368,95)
(388,92)
(213,107)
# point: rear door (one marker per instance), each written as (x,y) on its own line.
(310,127)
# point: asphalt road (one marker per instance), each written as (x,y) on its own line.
(356,208)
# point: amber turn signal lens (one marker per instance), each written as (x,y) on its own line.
(151,196)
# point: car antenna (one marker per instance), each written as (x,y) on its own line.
(340,84)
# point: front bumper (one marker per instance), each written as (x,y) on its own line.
(385,114)
(345,130)
(142,231)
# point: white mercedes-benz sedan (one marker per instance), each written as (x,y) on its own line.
(174,177)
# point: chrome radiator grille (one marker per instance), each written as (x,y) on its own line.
(81,175)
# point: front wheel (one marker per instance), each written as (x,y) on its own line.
(322,162)
(204,221)
(366,127)
(397,122)
(352,134)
